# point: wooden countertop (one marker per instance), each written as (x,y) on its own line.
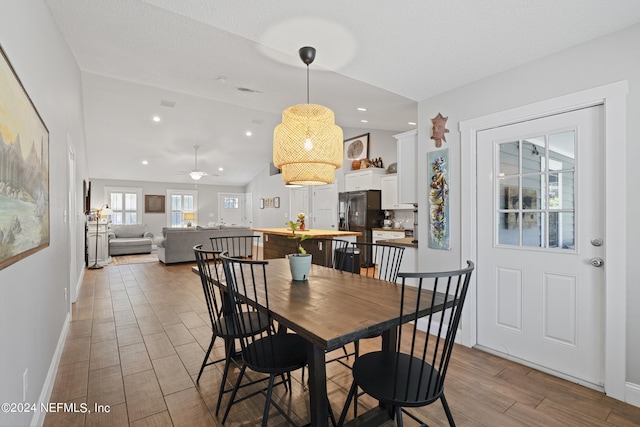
(309,232)
(407,242)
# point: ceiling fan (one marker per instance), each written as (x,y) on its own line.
(196,173)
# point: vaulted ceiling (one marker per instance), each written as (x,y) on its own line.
(213,70)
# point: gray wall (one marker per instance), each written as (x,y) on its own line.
(596,63)
(32,307)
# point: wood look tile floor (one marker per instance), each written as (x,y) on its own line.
(139,333)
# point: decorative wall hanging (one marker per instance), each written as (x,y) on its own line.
(357,148)
(439,199)
(24,171)
(276,202)
(153,203)
(261,203)
(439,129)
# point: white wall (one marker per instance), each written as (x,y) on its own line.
(32,307)
(602,61)
(207,199)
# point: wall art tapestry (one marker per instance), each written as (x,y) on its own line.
(24,171)
(439,199)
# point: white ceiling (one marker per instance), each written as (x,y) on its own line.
(377,54)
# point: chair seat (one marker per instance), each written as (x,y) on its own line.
(372,373)
(277,353)
(224,327)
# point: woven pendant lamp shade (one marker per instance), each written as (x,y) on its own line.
(307,145)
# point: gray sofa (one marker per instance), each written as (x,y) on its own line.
(176,244)
(130,239)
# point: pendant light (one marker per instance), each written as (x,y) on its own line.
(307,145)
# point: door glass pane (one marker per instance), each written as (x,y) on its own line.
(533,155)
(562,151)
(561,190)
(509,158)
(532,191)
(509,229)
(533,229)
(509,193)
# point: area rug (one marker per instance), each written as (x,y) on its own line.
(135,259)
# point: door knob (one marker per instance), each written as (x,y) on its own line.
(597,262)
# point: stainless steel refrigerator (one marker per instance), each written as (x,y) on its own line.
(360,211)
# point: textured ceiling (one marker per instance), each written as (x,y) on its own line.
(378,54)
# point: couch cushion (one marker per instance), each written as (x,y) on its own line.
(131,230)
(130,241)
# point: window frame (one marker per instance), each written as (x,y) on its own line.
(170,211)
(126,190)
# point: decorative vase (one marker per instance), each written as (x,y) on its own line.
(300,265)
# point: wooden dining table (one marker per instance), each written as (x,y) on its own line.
(333,308)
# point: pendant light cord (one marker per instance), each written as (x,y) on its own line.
(307,83)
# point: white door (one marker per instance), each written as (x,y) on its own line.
(540,227)
(299,202)
(231,208)
(248,210)
(325,207)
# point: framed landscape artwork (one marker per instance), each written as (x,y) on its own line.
(24,171)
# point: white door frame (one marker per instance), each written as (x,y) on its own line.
(613,99)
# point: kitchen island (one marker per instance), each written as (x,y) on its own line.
(277,244)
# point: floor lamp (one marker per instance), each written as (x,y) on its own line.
(104,211)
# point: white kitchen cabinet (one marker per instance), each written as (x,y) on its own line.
(377,235)
(407,150)
(367,179)
(389,193)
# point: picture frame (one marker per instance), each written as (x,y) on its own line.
(276,202)
(24,149)
(261,203)
(154,203)
(356,148)
(438,196)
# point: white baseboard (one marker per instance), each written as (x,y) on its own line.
(79,284)
(632,394)
(47,387)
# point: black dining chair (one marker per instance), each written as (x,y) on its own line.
(220,315)
(333,251)
(412,373)
(274,354)
(377,260)
(243,247)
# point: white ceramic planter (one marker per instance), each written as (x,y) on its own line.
(300,265)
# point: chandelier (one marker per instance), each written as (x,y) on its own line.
(307,145)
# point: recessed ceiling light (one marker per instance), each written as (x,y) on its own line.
(248,133)
(220,169)
(364,121)
(362,109)
(412,123)
(144,162)
(156,119)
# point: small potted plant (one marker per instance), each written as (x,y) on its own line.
(300,262)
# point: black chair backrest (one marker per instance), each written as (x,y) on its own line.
(440,293)
(244,247)
(208,265)
(378,260)
(247,286)
(334,251)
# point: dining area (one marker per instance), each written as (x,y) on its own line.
(285,325)
(140,334)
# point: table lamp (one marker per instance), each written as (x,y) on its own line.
(103,212)
(189,216)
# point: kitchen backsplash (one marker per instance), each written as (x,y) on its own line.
(404,216)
